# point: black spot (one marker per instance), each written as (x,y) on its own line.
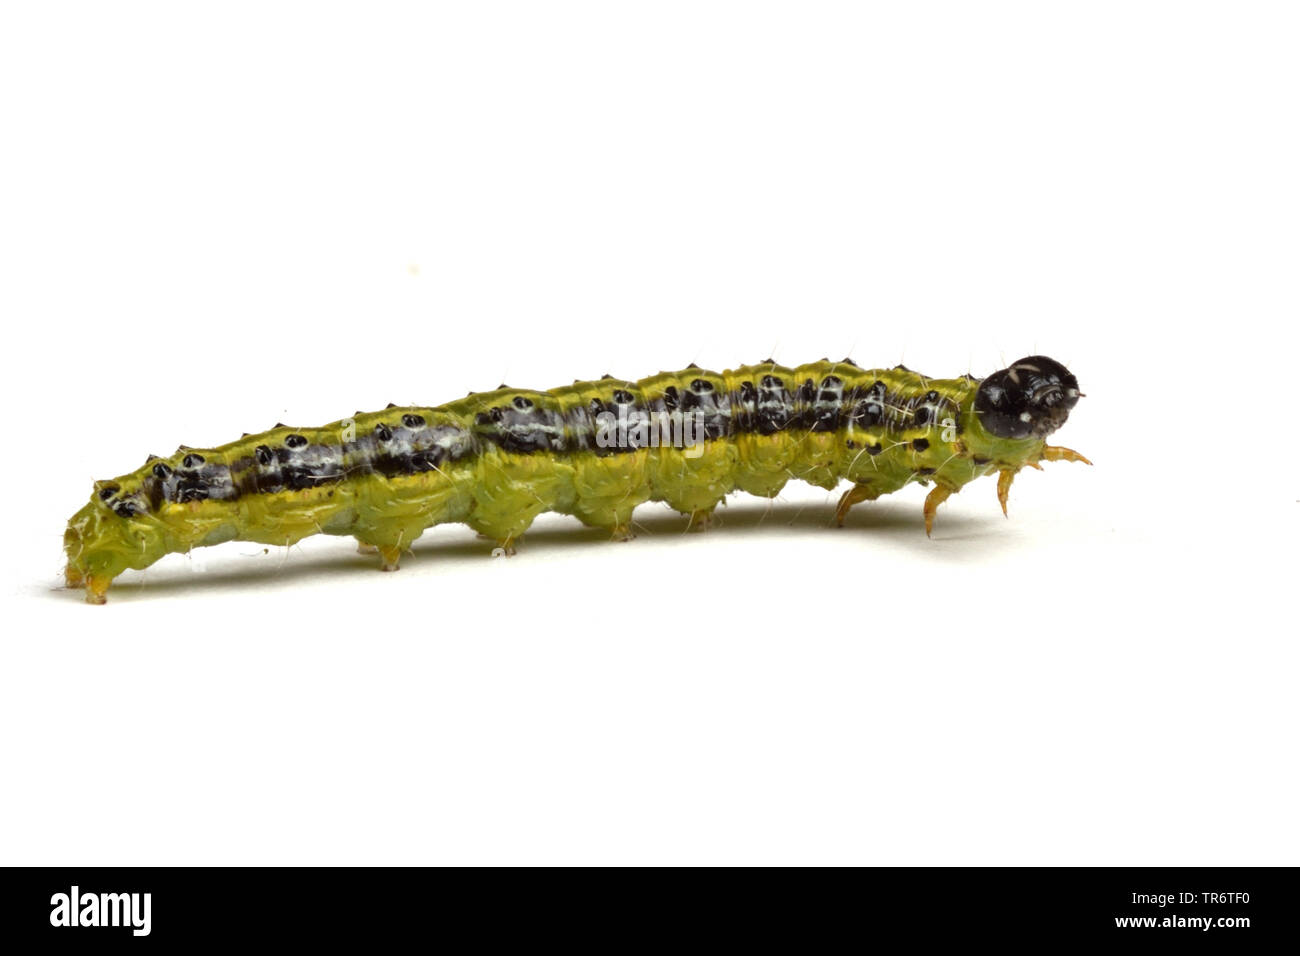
(483,418)
(925,471)
(807,391)
(922,416)
(264,455)
(161,471)
(982,461)
(832,382)
(670,397)
(413,421)
(193,461)
(383,432)
(295,441)
(523,404)
(869,412)
(106,493)
(125,510)
(875,449)
(623,397)
(496,414)
(427,460)
(700,385)
(747,392)
(920,444)
(771,381)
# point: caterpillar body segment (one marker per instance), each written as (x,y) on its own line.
(595,450)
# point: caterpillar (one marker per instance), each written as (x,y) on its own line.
(595,450)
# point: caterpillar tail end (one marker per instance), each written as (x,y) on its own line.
(390,558)
(95,585)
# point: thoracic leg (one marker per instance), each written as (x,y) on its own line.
(1005,477)
(1049,453)
(853,496)
(937,496)
(1057,453)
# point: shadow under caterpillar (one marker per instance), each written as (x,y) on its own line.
(595,450)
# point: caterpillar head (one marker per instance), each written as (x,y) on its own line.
(1030,399)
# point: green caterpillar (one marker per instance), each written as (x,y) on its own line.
(595,450)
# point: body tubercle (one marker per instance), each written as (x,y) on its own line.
(595,450)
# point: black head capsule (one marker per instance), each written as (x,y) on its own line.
(1030,398)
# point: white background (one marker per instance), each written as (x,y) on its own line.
(215,219)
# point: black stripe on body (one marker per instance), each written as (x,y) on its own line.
(526,422)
